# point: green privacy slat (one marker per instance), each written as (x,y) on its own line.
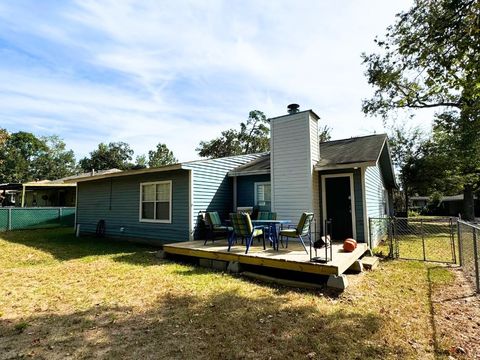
(36,218)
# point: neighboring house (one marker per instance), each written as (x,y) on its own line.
(44,193)
(447,206)
(346,180)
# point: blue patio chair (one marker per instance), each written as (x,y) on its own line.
(215,227)
(242,227)
(302,230)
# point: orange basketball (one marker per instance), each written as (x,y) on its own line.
(349,245)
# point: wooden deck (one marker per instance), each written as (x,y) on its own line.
(294,258)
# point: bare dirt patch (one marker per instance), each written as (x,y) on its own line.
(457,317)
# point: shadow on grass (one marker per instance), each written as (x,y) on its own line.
(225,325)
(63,245)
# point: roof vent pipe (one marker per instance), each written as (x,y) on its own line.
(293,108)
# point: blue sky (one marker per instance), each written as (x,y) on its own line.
(179,72)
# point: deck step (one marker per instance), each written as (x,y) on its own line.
(370,262)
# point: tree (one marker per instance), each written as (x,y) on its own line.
(114,155)
(429,59)
(20,152)
(55,161)
(27,158)
(405,144)
(325,134)
(161,156)
(253,137)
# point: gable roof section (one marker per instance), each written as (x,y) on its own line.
(357,150)
(368,150)
(189,165)
(258,166)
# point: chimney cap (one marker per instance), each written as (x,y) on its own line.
(293,108)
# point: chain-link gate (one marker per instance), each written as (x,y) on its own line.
(425,239)
(469,251)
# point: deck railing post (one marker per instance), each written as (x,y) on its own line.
(370,240)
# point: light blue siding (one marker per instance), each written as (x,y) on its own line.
(375,199)
(116,200)
(246,188)
(212,187)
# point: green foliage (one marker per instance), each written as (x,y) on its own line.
(161,156)
(140,162)
(114,155)
(55,162)
(325,134)
(253,137)
(429,59)
(26,157)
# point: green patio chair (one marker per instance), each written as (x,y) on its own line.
(266,215)
(302,230)
(215,227)
(242,227)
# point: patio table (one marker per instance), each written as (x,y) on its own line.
(273,225)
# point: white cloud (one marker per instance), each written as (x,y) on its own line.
(180,72)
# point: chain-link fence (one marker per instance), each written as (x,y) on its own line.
(469,252)
(426,239)
(36,218)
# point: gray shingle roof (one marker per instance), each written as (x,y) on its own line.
(336,152)
(350,151)
(258,166)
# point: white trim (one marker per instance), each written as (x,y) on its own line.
(191,215)
(366,224)
(352,199)
(255,184)
(140,203)
(343,166)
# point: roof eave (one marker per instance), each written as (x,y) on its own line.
(344,166)
(246,173)
(130,173)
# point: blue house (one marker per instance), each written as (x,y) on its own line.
(346,180)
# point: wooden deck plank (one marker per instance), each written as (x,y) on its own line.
(294,258)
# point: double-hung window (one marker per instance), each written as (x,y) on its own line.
(263,196)
(156,202)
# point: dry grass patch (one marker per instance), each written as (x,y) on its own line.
(63,297)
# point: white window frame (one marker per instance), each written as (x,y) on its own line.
(140,219)
(255,200)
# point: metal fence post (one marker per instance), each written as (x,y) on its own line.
(460,246)
(475,253)
(423,240)
(391,224)
(9,219)
(452,237)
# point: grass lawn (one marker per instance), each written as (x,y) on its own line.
(63,297)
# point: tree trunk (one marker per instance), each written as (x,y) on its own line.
(468,203)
